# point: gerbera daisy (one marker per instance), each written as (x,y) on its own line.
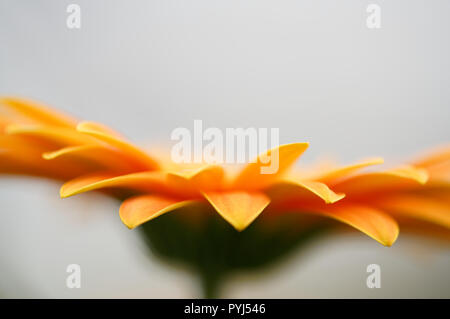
(37,140)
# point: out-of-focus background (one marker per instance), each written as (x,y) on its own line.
(311,68)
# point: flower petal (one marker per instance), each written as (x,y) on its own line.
(204,178)
(100,154)
(343,171)
(400,178)
(439,175)
(59,135)
(302,190)
(137,181)
(21,157)
(437,157)
(34,165)
(371,221)
(38,112)
(240,209)
(252,176)
(140,209)
(4,122)
(128,148)
(98,127)
(418,207)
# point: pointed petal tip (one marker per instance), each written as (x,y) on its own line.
(423,176)
(268,166)
(138,210)
(126,221)
(97,128)
(239,209)
(371,221)
(68,190)
(82,126)
(420,175)
(49,155)
(334,197)
(63,193)
(317,189)
(94,128)
(390,241)
(388,238)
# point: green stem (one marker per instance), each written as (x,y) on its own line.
(210,287)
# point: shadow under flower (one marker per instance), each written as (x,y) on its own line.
(202,241)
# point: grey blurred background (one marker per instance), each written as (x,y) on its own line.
(311,68)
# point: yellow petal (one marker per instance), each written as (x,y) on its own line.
(400,178)
(98,127)
(437,157)
(21,158)
(128,148)
(303,190)
(140,209)
(59,135)
(204,178)
(38,112)
(238,208)
(105,156)
(137,181)
(252,176)
(418,207)
(68,150)
(371,221)
(439,174)
(4,122)
(343,171)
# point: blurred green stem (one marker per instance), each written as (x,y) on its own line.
(214,250)
(210,287)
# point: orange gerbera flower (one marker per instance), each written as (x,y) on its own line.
(39,141)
